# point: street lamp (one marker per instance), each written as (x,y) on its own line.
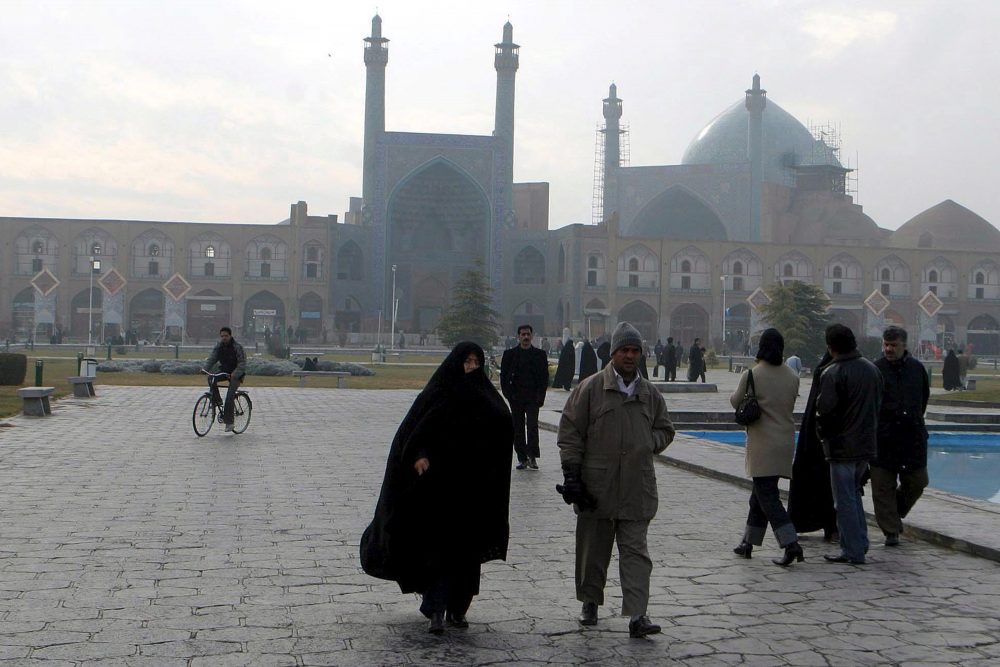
(392,333)
(723,278)
(95,267)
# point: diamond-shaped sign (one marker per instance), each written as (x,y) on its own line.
(177,287)
(112,281)
(45,282)
(758,299)
(877,302)
(930,303)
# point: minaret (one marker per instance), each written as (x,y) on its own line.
(612,151)
(506,63)
(376,58)
(755,103)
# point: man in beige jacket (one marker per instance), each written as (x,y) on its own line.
(612,425)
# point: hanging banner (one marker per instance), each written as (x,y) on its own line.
(114,307)
(45,309)
(174,312)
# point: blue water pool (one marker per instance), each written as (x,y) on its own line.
(967,464)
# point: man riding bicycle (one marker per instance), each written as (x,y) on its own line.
(232,361)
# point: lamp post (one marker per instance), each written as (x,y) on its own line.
(723,277)
(95,267)
(392,333)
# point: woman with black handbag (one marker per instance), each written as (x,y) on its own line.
(764,403)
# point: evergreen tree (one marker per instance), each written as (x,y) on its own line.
(799,311)
(470,315)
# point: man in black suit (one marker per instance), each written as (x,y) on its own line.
(524,376)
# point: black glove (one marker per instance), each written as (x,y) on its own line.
(573,490)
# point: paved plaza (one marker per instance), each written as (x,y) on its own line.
(126,540)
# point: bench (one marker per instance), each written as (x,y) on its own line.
(738,368)
(83,386)
(340,375)
(36,400)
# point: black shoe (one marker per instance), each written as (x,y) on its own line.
(793,552)
(588,616)
(642,627)
(521,465)
(456,620)
(744,549)
(843,559)
(532,463)
(436,626)
(892,539)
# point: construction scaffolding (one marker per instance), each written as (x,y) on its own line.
(624,156)
(827,150)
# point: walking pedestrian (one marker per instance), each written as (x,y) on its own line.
(566,367)
(899,471)
(612,425)
(524,377)
(588,360)
(443,508)
(847,409)
(770,447)
(810,499)
(696,361)
(951,373)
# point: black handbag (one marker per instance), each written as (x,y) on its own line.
(748,411)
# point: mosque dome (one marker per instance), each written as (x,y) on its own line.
(947,226)
(786,143)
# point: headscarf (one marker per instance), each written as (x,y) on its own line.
(772,347)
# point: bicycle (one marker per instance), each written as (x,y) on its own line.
(206,410)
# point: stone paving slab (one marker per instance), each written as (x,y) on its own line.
(126,540)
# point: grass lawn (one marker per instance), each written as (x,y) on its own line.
(56,370)
(987,391)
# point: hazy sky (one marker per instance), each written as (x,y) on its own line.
(231,111)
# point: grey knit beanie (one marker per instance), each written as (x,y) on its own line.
(625,334)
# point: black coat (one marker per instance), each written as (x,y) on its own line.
(902,435)
(847,407)
(588,360)
(950,372)
(604,353)
(528,388)
(455,514)
(810,499)
(696,362)
(567,366)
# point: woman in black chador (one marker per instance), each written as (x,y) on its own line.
(950,372)
(566,368)
(588,360)
(810,499)
(443,507)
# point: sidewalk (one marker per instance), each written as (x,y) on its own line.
(125,540)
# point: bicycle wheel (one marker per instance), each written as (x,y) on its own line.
(204,415)
(242,407)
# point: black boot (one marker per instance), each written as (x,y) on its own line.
(793,552)
(744,549)
(436,626)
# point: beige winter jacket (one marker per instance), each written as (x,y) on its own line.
(771,439)
(614,438)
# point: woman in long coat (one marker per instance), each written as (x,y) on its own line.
(810,498)
(950,372)
(588,360)
(566,368)
(770,447)
(444,503)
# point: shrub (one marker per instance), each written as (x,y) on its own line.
(180,367)
(151,366)
(711,360)
(355,370)
(13,368)
(270,367)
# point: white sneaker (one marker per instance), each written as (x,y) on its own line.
(229,428)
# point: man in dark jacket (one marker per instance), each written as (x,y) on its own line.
(232,360)
(696,361)
(670,360)
(524,376)
(899,471)
(847,409)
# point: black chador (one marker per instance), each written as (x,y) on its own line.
(810,499)
(588,360)
(566,368)
(440,526)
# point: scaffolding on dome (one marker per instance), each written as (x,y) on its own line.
(827,148)
(624,157)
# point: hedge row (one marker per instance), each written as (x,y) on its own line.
(270,367)
(13,368)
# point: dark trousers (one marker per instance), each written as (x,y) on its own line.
(892,502)
(453,592)
(671,373)
(766,507)
(234,385)
(846,480)
(525,421)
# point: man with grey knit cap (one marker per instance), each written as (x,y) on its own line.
(612,425)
